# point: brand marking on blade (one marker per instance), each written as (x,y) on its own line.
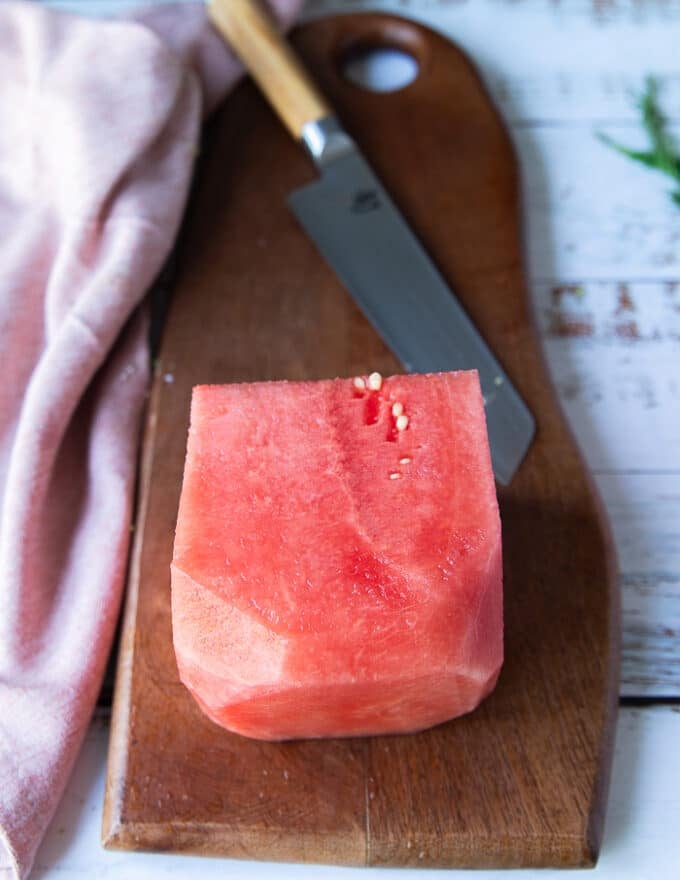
(365,200)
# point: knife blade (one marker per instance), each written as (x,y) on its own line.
(362,235)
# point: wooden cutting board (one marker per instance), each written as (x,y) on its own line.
(522,781)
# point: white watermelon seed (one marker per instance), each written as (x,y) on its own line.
(402,423)
(404,461)
(359,383)
(397,409)
(394,476)
(375,381)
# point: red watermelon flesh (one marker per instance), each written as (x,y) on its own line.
(337,562)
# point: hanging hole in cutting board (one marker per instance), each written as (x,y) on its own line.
(380,68)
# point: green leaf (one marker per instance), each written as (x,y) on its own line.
(655,122)
(646,158)
(664,155)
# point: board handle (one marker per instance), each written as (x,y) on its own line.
(253,34)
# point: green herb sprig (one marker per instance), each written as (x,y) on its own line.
(663,155)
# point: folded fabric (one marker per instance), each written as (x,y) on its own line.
(99,126)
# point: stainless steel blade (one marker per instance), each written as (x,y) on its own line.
(360,232)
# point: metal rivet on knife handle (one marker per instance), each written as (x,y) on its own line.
(253,34)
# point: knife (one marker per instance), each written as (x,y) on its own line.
(359,231)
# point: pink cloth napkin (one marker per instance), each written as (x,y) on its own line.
(99,126)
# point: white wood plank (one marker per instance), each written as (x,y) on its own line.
(645,514)
(614,355)
(641,838)
(556,96)
(651,636)
(591,213)
(518,36)
(654,501)
(622,313)
(614,352)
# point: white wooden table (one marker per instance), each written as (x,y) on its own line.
(603,243)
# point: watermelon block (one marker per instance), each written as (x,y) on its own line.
(337,560)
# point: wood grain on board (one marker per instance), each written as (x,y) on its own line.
(522,781)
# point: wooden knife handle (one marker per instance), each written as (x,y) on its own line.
(252,33)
